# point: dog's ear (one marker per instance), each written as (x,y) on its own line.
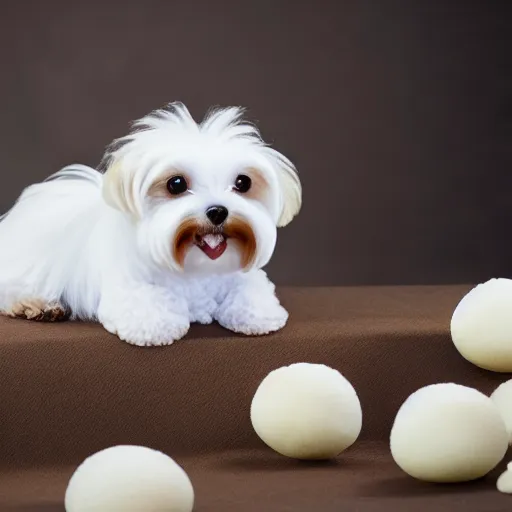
(291,191)
(119,189)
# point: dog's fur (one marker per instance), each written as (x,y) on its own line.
(115,246)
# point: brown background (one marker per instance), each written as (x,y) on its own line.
(397,113)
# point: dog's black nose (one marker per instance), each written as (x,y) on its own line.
(217,214)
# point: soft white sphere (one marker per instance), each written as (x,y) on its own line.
(504,482)
(481,325)
(448,433)
(129,479)
(502,397)
(306,411)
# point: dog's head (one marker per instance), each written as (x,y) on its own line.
(204,197)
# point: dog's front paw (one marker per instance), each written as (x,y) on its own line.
(146,322)
(251,318)
(146,330)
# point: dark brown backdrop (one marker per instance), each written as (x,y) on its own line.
(397,113)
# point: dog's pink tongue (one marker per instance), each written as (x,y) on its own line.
(214,246)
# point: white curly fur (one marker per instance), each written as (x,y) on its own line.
(100,244)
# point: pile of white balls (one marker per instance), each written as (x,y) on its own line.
(452,433)
(442,432)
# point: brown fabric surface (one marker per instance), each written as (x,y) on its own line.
(364,478)
(68,390)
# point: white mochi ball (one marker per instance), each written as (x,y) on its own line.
(129,479)
(448,433)
(481,325)
(502,397)
(504,482)
(306,411)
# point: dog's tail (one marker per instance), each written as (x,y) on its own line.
(43,236)
(78,172)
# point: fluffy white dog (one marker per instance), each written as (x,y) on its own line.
(174,228)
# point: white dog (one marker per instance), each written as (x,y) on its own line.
(175,230)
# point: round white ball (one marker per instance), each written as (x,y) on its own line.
(448,433)
(504,482)
(481,325)
(131,479)
(502,397)
(306,411)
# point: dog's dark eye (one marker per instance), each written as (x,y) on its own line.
(177,185)
(242,183)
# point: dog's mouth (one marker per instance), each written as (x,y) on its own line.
(213,241)
(212,244)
